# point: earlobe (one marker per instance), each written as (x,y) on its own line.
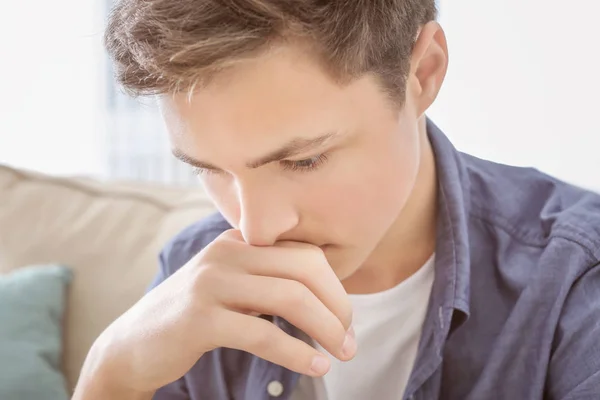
(429,64)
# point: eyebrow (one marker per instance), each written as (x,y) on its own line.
(292,148)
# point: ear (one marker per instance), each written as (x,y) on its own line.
(429,63)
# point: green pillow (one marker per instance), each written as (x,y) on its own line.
(32,303)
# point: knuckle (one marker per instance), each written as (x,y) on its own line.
(316,255)
(296,295)
(314,264)
(216,248)
(223,250)
(220,252)
(261,342)
(197,296)
(207,277)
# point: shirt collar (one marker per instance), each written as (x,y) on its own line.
(452,285)
(449,300)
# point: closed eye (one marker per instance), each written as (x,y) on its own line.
(306,165)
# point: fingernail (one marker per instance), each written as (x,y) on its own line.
(349,346)
(319,366)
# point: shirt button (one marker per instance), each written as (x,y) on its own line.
(275,388)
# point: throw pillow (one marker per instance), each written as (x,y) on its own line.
(32,303)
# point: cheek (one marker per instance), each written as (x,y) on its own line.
(368,190)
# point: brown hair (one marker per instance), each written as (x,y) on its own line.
(168,46)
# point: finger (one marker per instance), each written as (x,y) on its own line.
(303,262)
(292,301)
(265,340)
(306,264)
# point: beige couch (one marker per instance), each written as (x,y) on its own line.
(109,233)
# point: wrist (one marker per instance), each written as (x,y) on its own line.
(96,388)
(102,378)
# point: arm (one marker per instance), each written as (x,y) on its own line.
(104,392)
(574,371)
(100,389)
(209,303)
(94,384)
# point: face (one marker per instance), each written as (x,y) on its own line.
(287,154)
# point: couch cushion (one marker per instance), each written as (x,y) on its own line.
(32,304)
(109,233)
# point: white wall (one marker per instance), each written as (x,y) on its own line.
(523,85)
(50,66)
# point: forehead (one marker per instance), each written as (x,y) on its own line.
(266,100)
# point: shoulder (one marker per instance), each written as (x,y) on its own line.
(574,368)
(190,241)
(534,208)
(541,238)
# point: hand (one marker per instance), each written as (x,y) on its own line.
(213,300)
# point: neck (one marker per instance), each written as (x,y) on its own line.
(410,241)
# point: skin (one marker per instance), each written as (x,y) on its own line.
(361,221)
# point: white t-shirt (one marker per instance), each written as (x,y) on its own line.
(388,328)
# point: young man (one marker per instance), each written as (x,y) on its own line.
(357,254)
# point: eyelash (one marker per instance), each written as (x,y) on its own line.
(288,165)
(202,171)
(300,165)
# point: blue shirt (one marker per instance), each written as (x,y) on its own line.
(514,311)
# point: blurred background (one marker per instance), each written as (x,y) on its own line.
(522,89)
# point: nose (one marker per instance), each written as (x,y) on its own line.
(266,213)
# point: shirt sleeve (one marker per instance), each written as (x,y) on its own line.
(173,391)
(574,372)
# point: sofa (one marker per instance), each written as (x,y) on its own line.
(109,233)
